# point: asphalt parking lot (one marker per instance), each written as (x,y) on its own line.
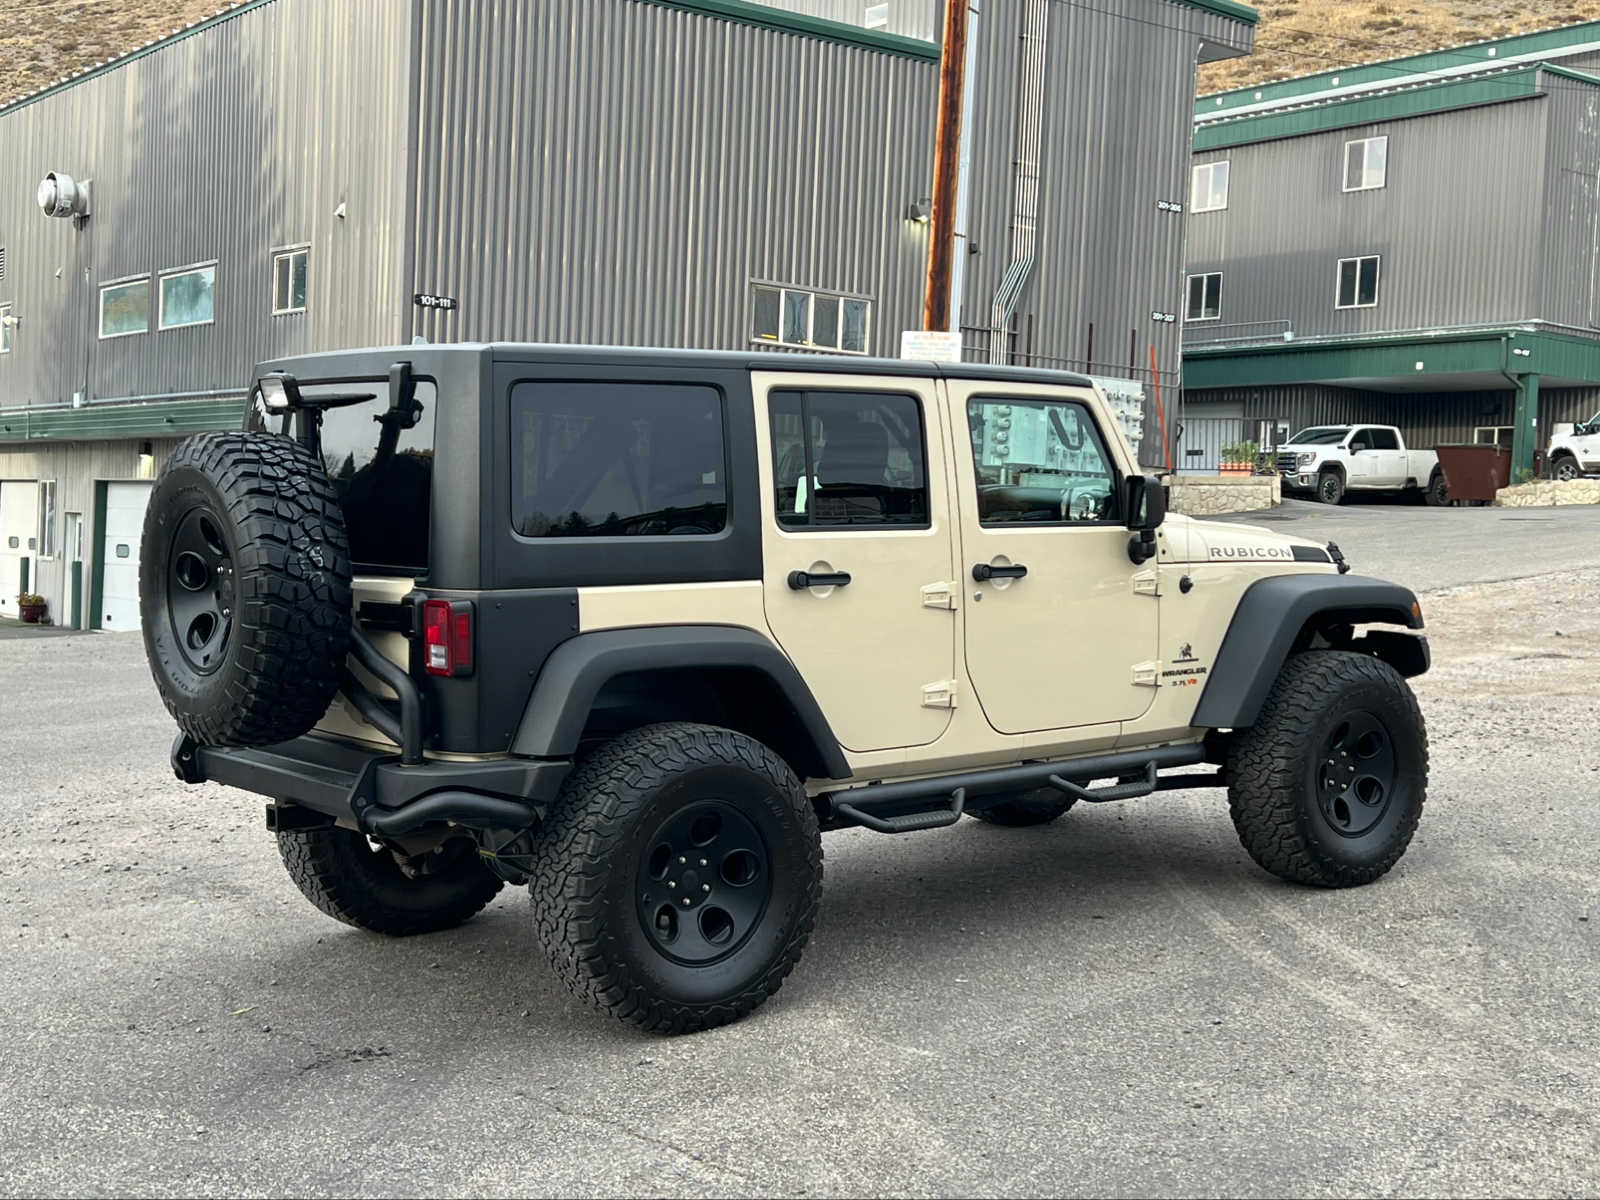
(1118,1003)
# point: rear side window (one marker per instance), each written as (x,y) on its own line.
(597,459)
(848,458)
(384,478)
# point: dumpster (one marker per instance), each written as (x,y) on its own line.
(1475,472)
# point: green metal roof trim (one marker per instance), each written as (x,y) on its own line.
(1541,43)
(1470,352)
(747,13)
(1521,84)
(159,44)
(1569,73)
(97,422)
(1226,8)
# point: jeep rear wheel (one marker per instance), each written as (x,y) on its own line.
(1021,809)
(677,877)
(1330,487)
(244,589)
(1328,786)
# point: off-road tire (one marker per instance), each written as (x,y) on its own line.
(1564,467)
(1019,810)
(1330,488)
(254,523)
(1437,493)
(353,881)
(593,852)
(1274,769)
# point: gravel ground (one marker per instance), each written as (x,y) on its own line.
(1119,1003)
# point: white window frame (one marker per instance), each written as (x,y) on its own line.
(876,16)
(46,531)
(1188,287)
(178,273)
(1196,204)
(5,330)
(287,254)
(784,292)
(1344,167)
(1377,284)
(112,286)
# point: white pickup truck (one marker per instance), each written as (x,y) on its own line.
(1574,450)
(1330,460)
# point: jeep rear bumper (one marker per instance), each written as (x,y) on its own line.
(373,791)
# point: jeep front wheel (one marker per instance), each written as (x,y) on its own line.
(1330,487)
(1327,787)
(676,879)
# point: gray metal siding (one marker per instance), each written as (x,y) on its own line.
(909,18)
(239,138)
(1570,271)
(1289,222)
(620,172)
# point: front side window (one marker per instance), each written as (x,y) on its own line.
(1205,297)
(189,297)
(854,459)
(289,281)
(47,519)
(5,329)
(1383,439)
(602,459)
(1366,164)
(1039,461)
(125,308)
(1358,282)
(809,320)
(1209,190)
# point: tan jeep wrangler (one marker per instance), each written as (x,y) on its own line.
(634,627)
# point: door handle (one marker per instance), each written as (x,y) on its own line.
(801,580)
(983,572)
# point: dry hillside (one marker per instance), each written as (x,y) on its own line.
(42,40)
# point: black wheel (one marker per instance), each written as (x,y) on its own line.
(387,891)
(1020,809)
(677,877)
(1437,493)
(1330,487)
(244,589)
(1564,468)
(1327,788)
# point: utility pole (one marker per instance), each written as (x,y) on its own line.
(936,314)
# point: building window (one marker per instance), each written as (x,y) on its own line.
(188,297)
(1205,297)
(47,519)
(289,281)
(125,308)
(877,16)
(809,320)
(1366,164)
(5,329)
(1358,282)
(1209,192)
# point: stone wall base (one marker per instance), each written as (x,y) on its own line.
(1542,493)
(1214,495)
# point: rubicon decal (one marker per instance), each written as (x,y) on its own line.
(1280,553)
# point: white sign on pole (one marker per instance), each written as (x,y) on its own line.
(930,345)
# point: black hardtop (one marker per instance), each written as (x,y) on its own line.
(447,358)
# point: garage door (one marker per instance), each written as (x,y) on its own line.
(119,598)
(19,536)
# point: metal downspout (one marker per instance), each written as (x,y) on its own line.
(1025,174)
(963,238)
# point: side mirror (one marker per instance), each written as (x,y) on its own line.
(1145,508)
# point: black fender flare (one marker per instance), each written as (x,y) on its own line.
(576,670)
(1267,626)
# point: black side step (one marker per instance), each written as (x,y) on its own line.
(935,818)
(1122,791)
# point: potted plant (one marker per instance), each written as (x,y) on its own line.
(1239,458)
(30,606)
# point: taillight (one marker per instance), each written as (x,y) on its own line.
(447,637)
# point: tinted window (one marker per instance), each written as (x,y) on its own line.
(848,458)
(1383,439)
(1039,460)
(384,477)
(617,460)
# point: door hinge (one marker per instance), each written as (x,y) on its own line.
(1147,674)
(939,695)
(938,595)
(1147,583)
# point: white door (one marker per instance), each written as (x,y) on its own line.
(119,595)
(1393,464)
(72,552)
(19,539)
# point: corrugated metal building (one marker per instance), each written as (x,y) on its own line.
(1414,242)
(301,175)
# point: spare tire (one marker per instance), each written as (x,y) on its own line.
(244,588)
